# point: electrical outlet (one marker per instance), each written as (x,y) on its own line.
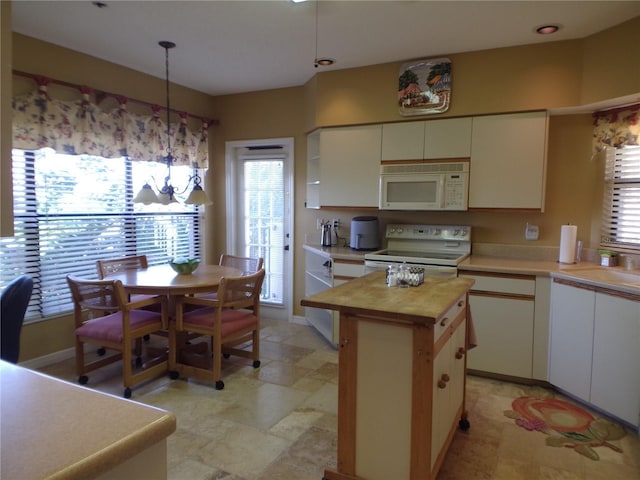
(336,223)
(531,232)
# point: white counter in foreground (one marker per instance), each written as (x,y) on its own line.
(56,430)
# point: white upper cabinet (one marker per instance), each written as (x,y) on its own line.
(449,138)
(403,141)
(508,161)
(427,140)
(343,167)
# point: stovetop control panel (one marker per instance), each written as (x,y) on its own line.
(460,233)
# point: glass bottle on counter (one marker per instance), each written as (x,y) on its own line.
(403,275)
(392,276)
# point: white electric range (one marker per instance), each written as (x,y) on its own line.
(438,249)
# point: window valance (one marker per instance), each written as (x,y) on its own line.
(83,127)
(616,128)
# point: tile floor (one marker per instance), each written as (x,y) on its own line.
(278,422)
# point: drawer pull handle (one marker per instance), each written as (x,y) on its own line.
(460,353)
(442,383)
(461,303)
(444,321)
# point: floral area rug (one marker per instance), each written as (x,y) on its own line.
(566,425)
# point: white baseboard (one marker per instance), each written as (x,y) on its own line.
(49,359)
(300,320)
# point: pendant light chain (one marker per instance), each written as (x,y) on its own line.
(167,192)
(167,45)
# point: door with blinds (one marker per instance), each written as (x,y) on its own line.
(259,205)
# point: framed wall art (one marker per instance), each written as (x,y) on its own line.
(424,87)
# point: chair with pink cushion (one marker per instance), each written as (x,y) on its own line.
(246,265)
(232,320)
(104,316)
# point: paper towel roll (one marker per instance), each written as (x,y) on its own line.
(568,236)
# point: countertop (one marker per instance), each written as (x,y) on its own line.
(615,278)
(370,294)
(337,253)
(56,430)
(590,273)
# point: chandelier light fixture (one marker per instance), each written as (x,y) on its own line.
(166,194)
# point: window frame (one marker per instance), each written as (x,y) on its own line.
(129,230)
(620,227)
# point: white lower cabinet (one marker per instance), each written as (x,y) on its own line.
(571,339)
(503,311)
(448,388)
(324,271)
(615,377)
(594,352)
(318,277)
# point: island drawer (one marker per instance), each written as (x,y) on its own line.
(446,320)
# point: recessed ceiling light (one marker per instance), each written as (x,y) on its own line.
(547,29)
(323,62)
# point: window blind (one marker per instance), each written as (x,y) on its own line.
(621,205)
(70,211)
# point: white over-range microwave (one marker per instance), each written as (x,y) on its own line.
(424,186)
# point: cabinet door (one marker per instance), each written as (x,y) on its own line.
(615,382)
(447,395)
(504,328)
(350,166)
(508,160)
(402,141)
(450,138)
(571,339)
(441,401)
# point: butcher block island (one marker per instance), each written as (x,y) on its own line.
(401,387)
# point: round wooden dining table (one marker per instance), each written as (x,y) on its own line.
(163,280)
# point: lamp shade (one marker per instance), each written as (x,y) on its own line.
(146,195)
(166,198)
(198,197)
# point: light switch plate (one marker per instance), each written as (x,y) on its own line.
(531,232)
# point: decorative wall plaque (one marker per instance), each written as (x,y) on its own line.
(424,87)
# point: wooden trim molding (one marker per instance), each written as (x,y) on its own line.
(594,288)
(347,398)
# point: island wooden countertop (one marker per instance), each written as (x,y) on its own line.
(369,294)
(56,430)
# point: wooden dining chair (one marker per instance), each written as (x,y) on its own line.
(114,265)
(115,323)
(246,265)
(232,320)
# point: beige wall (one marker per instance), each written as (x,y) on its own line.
(6,203)
(493,81)
(548,76)
(34,56)
(610,63)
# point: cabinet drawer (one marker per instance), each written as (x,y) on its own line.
(348,269)
(446,320)
(510,284)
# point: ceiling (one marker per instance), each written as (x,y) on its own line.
(227,47)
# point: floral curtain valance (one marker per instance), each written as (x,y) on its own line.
(618,127)
(82,127)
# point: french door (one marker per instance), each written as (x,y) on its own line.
(259,213)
